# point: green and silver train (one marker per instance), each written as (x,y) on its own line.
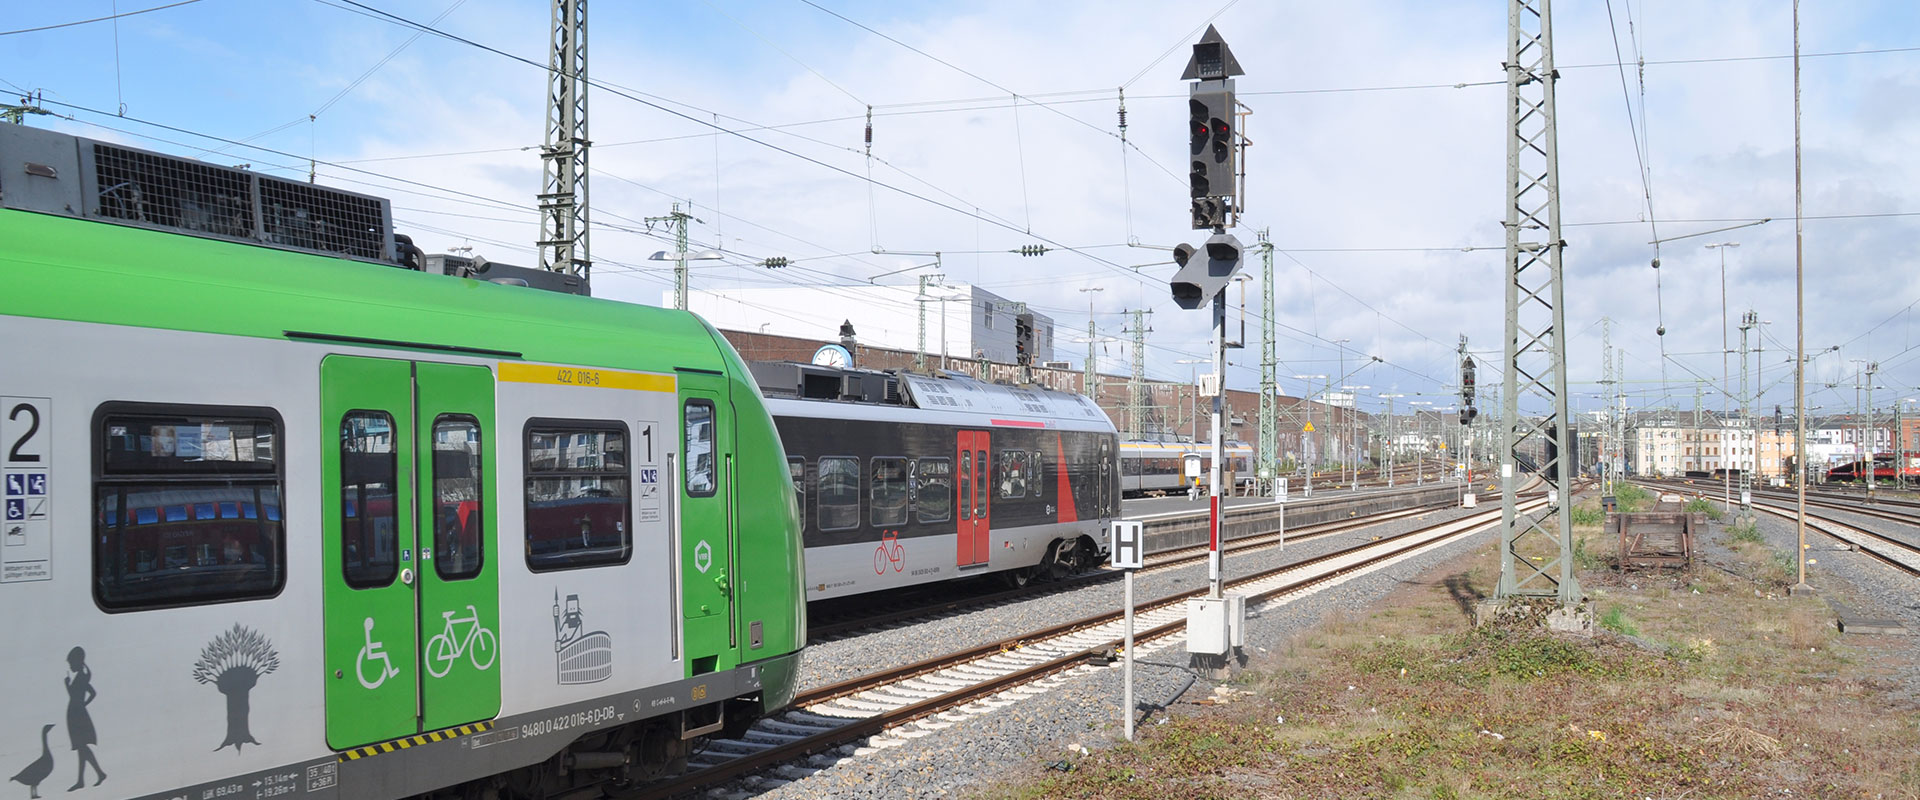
(289,515)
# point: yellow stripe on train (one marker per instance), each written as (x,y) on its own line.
(406,742)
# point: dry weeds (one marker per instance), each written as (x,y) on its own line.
(1724,694)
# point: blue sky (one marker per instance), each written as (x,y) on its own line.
(1343,179)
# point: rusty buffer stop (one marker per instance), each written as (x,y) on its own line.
(1655,539)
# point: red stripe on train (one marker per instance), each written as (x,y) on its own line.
(1018,423)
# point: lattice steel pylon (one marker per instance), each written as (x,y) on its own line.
(1137,384)
(563,186)
(1269,470)
(1536,549)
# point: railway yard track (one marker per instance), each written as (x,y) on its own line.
(954,601)
(1900,552)
(915,700)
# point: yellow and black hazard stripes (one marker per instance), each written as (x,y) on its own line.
(406,742)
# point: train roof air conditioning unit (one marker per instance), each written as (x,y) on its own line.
(76,177)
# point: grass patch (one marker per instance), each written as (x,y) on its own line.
(1749,697)
(1701,505)
(1747,533)
(1616,620)
(1628,497)
(1588,515)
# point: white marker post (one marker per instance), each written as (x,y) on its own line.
(1128,554)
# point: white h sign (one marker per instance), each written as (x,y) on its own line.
(1129,552)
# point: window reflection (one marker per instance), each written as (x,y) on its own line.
(578,496)
(458,535)
(187,509)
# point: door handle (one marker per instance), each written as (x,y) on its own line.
(721,582)
(406,576)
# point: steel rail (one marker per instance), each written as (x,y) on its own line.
(1779,506)
(881,721)
(1165,559)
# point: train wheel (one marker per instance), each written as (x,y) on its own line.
(1017,578)
(1060,561)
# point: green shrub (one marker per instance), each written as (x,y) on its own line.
(1701,505)
(1629,497)
(1616,620)
(1588,515)
(1748,532)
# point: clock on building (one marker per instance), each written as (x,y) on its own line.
(833,355)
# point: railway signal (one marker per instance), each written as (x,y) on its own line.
(1212,142)
(1212,621)
(1200,280)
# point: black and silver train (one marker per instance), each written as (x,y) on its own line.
(910,479)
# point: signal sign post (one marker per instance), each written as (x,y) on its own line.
(1128,555)
(1212,621)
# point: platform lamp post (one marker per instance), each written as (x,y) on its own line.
(680,259)
(1726,375)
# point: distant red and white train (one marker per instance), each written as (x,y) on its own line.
(1884,469)
(1147,467)
(910,479)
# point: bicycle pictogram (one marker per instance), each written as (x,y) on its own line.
(371,652)
(478,645)
(895,554)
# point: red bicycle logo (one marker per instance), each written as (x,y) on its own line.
(889,551)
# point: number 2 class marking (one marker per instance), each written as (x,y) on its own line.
(14,454)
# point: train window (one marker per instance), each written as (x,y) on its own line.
(186,505)
(889,492)
(797,472)
(981,465)
(966,484)
(1013,474)
(458,498)
(1039,482)
(579,494)
(701,481)
(839,493)
(369,486)
(933,489)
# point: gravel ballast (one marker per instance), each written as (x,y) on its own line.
(1081,710)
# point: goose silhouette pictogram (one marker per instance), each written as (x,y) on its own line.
(39,769)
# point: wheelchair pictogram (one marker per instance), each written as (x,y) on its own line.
(371,652)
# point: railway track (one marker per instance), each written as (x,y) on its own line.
(1900,553)
(1168,559)
(941,691)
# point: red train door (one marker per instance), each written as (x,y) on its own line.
(972,490)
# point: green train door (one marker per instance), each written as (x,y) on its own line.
(707,523)
(410,583)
